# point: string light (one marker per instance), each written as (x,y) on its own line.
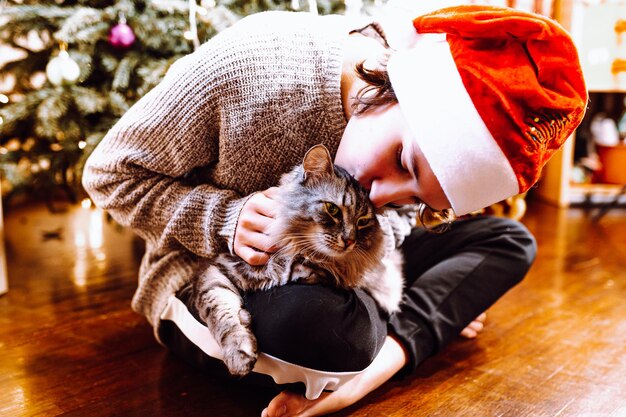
(82,144)
(192,34)
(4,99)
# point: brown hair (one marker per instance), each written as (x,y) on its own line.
(378,92)
(377,80)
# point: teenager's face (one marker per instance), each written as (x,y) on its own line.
(379,150)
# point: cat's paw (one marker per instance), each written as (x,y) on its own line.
(240,352)
(306,274)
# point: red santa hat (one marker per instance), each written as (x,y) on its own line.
(490,94)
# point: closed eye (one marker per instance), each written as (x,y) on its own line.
(399,159)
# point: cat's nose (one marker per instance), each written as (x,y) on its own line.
(347,242)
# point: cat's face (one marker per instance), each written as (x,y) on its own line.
(327,213)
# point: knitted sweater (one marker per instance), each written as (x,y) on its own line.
(225,122)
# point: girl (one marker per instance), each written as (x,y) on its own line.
(465,117)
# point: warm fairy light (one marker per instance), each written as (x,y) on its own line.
(81,269)
(82,144)
(88,242)
(3,150)
(202,11)
(4,99)
(188,35)
(1,120)
(44,163)
(96,229)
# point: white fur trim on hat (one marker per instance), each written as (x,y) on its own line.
(470,166)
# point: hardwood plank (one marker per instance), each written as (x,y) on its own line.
(553,346)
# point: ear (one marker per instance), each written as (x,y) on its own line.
(317,162)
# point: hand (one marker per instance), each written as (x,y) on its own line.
(389,360)
(252,242)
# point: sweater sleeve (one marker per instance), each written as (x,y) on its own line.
(140,171)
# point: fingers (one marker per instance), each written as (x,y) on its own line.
(270,193)
(253,231)
(252,256)
(264,202)
(252,241)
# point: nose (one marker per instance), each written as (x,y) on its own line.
(386,192)
(347,242)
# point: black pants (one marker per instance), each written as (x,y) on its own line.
(450,279)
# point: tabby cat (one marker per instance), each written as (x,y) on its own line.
(327,232)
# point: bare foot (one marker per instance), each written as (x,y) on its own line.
(389,360)
(475,327)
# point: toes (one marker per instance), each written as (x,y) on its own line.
(478,326)
(469,333)
(240,363)
(240,355)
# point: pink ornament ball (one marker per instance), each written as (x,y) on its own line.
(121,36)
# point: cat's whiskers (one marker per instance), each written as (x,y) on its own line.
(367,257)
(290,246)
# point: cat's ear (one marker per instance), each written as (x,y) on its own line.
(317,162)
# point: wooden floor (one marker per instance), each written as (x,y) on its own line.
(70,345)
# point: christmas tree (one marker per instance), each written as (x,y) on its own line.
(78,65)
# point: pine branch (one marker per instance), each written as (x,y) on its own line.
(151,73)
(88,101)
(86,26)
(14,114)
(118,103)
(171,6)
(85,62)
(220,18)
(49,114)
(91,34)
(124,72)
(108,61)
(36,16)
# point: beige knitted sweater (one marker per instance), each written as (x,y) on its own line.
(225,122)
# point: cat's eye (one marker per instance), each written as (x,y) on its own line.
(363,222)
(332,209)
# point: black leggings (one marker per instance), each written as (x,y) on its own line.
(450,279)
